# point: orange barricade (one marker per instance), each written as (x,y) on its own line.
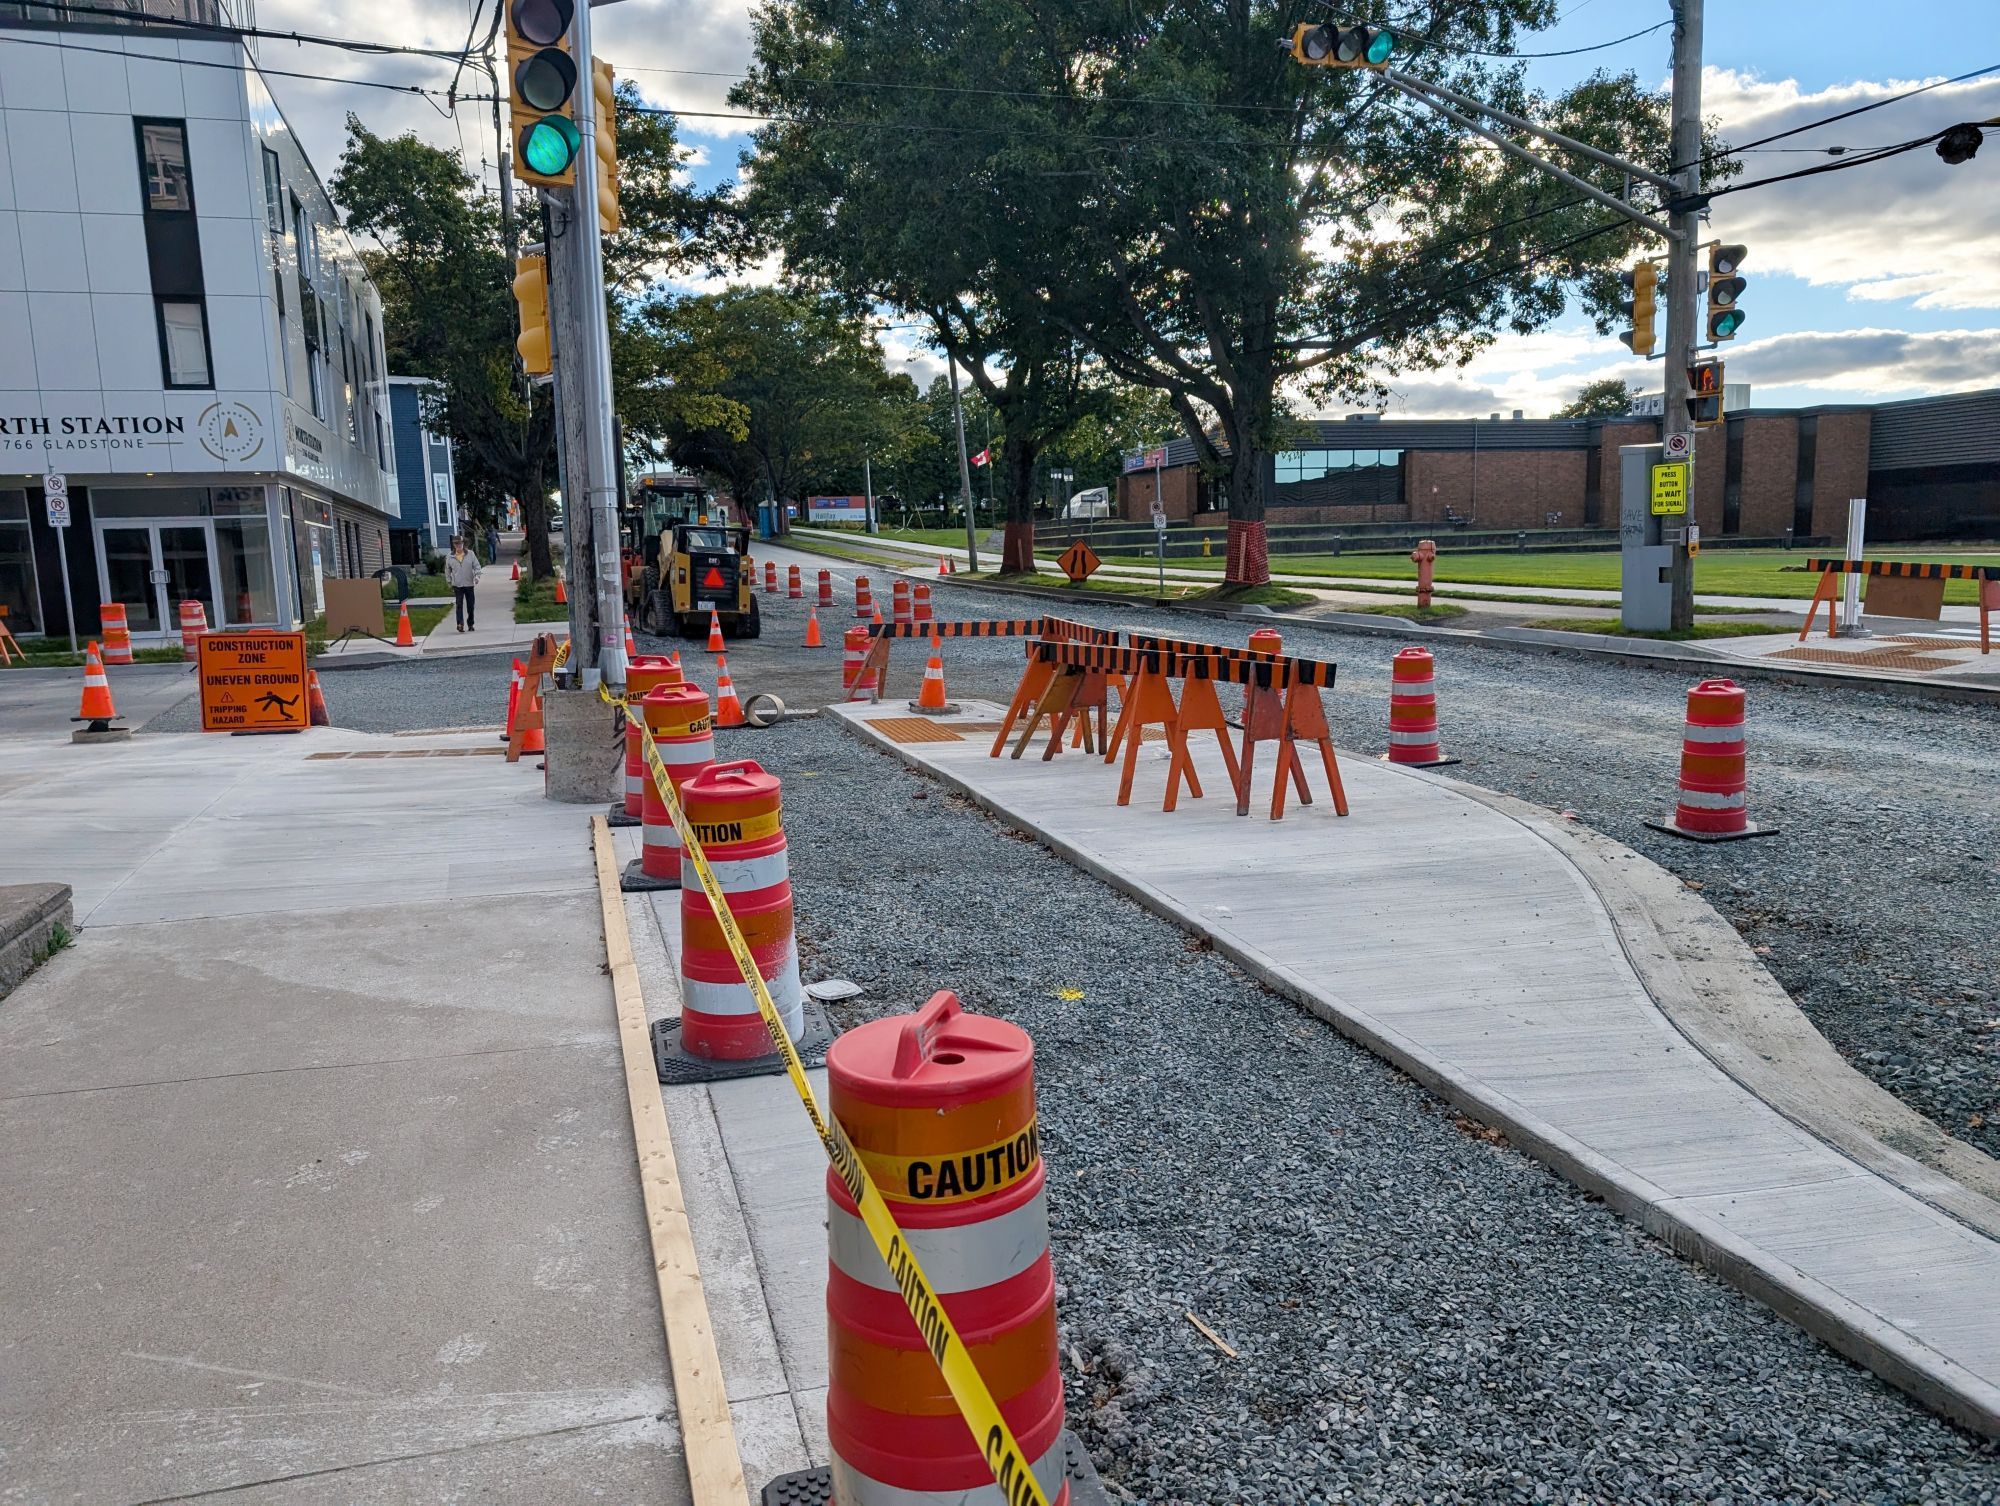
(647,672)
(677,715)
(117,632)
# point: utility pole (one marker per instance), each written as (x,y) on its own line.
(964,467)
(1683,299)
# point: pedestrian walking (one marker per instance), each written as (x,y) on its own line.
(462,572)
(492,545)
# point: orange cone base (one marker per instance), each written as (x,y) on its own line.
(1750,829)
(1417,763)
(634,879)
(949,708)
(101,732)
(1081,1487)
(676,1066)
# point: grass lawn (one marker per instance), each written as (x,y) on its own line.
(1609,628)
(61,658)
(1719,572)
(421,585)
(535,601)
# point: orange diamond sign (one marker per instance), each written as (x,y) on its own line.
(1079,562)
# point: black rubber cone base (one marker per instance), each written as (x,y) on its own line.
(814,1487)
(614,815)
(1435,763)
(949,708)
(1752,830)
(635,880)
(678,1068)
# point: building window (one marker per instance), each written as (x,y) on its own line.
(184,342)
(163,166)
(1802,491)
(1732,478)
(274,198)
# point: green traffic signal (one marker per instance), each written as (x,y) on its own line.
(1380,46)
(550,144)
(1724,324)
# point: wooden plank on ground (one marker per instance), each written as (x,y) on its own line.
(708,1436)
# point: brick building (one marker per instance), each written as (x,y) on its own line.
(1931,467)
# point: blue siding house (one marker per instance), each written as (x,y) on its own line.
(426,514)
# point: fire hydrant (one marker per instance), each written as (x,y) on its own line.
(1424,554)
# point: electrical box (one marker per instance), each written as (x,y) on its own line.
(1644,552)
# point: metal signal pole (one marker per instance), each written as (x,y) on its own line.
(964,468)
(1683,299)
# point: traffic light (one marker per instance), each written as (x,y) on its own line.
(531,294)
(1705,394)
(1641,308)
(542,91)
(1343,46)
(1724,288)
(603,85)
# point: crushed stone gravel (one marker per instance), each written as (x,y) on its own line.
(1421,1313)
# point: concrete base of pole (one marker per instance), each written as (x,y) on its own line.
(585,762)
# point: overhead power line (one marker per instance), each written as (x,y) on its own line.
(66,45)
(346,44)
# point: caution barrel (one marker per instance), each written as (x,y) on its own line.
(826,588)
(194,622)
(1413,717)
(684,733)
(735,811)
(864,599)
(117,632)
(1714,789)
(643,675)
(794,586)
(940,1106)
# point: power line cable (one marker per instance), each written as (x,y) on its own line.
(257,68)
(348,44)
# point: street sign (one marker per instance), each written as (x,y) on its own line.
(55,491)
(1159,522)
(253,682)
(1670,489)
(1678,446)
(1079,562)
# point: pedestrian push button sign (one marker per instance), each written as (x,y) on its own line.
(1670,489)
(253,682)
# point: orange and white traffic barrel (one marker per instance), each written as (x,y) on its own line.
(1413,721)
(794,585)
(770,577)
(683,731)
(920,606)
(940,1107)
(857,675)
(899,602)
(1714,793)
(826,588)
(643,675)
(194,622)
(117,632)
(735,810)
(864,600)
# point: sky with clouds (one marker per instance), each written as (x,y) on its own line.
(1876,283)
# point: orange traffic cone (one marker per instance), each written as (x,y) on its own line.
(404,637)
(714,632)
(513,698)
(675,659)
(96,706)
(562,593)
(877,618)
(316,702)
(944,565)
(631,648)
(812,628)
(517,571)
(728,710)
(931,698)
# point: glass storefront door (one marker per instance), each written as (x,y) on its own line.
(127,556)
(153,567)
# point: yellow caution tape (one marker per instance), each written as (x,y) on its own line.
(1013,1471)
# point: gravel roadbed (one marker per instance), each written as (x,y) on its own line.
(1421,1313)
(1877,907)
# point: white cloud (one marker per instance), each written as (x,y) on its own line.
(1910,227)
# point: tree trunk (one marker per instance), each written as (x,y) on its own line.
(1017,548)
(1249,562)
(534,499)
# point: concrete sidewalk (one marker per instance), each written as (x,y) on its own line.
(320,1166)
(1455,938)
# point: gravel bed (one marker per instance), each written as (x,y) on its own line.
(1420,1313)
(1877,906)
(468,690)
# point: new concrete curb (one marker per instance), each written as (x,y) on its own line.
(29,916)
(1863,1336)
(1646,652)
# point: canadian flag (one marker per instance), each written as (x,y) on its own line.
(984,457)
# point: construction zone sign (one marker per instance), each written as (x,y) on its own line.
(253,682)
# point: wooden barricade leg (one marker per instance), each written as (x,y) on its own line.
(1089,693)
(1264,722)
(1825,592)
(1305,721)
(9,647)
(1055,700)
(1989,601)
(1150,704)
(528,707)
(877,662)
(1202,712)
(1034,681)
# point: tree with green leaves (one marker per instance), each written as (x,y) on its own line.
(906,218)
(436,251)
(1609,397)
(780,391)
